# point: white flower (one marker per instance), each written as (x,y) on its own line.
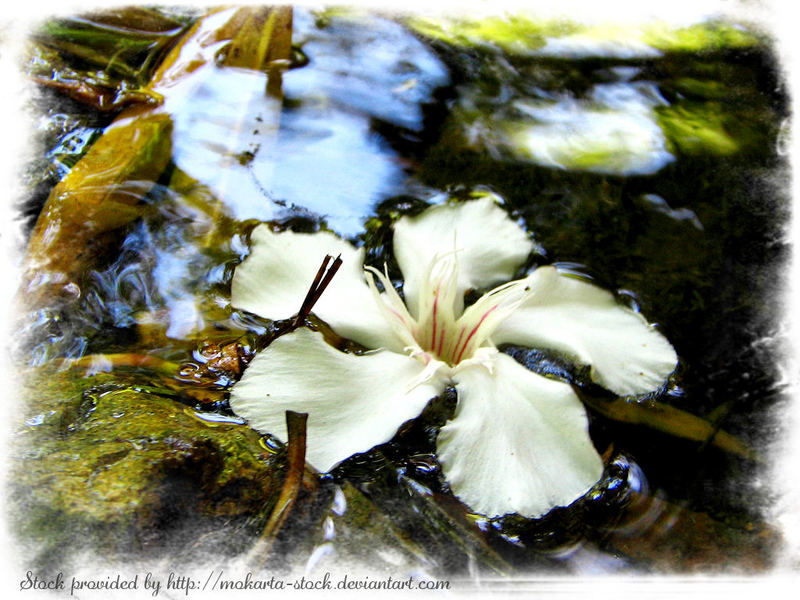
(518,442)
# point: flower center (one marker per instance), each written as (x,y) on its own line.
(443,330)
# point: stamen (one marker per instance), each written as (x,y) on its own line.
(392,306)
(430,337)
(399,316)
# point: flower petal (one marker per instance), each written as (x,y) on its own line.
(274,279)
(518,442)
(353,402)
(491,247)
(626,355)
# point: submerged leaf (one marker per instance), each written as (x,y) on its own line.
(46,67)
(671,420)
(671,538)
(107,189)
(102,59)
(104,191)
(106,362)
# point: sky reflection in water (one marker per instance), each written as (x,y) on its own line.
(324,156)
(318,152)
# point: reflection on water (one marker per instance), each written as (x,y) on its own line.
(222,117)
(329,162)
(366,65)
(160,270)
(612,130)
(317,149)
(582,45)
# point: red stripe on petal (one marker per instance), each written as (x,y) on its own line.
(472,333)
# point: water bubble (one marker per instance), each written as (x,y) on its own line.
(271,444)
(339,501)
(213,419)
(328,529)
(317,555)
(629,299)
(424,464)
(38,419)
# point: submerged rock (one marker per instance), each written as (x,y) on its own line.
(108,464)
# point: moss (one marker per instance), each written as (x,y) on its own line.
(700,37)
(516,34)
(704,89)
(101,463)
(521,34)
(697,129)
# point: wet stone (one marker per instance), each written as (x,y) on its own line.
(100,464)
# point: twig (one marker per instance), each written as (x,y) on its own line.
(296,446)
(671,420)
(321,281)
(128,359)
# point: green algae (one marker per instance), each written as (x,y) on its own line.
(698,129)
(709,36)
(524,34)
(517,33)
(101,463)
